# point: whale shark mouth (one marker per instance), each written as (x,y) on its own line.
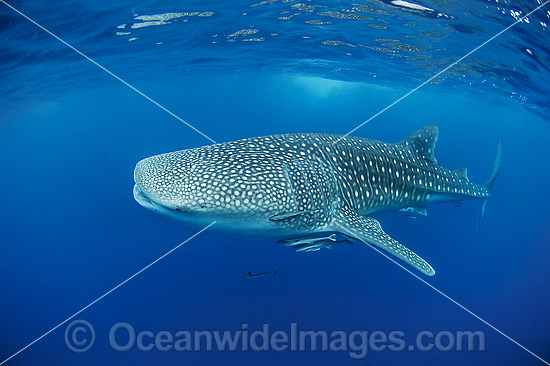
(143,200)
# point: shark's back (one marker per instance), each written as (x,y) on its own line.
(377,176)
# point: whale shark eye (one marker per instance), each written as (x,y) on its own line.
(178,209)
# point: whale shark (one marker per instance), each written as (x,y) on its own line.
(306,184)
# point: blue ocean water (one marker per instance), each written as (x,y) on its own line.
(70,136)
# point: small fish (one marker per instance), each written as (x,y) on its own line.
(320,244)
(313,247)
(253,275)
(412,211)
(306,241)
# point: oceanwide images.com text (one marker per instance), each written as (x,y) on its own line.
(80,337)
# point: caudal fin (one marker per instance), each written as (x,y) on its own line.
(496,167)
(489,184)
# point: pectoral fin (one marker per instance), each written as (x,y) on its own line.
(369,231)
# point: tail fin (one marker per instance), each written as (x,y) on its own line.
(496,167)
(489,184)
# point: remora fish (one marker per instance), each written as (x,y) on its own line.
(301,184)
(253,275)
(300,241)
(319,244)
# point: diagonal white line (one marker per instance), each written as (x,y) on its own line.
(109,72)
(447,297)
(105,294)
(444,70)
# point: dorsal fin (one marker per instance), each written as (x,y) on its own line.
(462,173)
(422,143)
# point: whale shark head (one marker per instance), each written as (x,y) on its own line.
(265,186)
(228,184)
(178,185)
